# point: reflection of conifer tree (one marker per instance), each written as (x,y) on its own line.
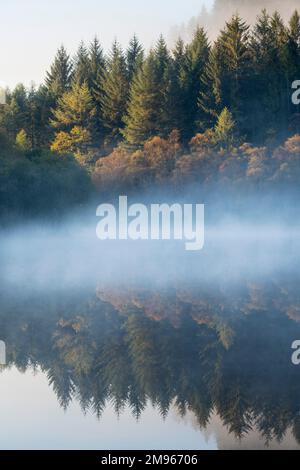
(143,340)
(131,359)
(62,382)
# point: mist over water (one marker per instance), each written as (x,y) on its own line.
(255,241)
(115,328)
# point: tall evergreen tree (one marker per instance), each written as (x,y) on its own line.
(162,58)
(97,61)
(74,121)
(16,112)
(179,89)
(134,57)
(292,59)
(164,72)
(196,59)
(82,66)
(114,99)
(97,71)
(227,75)
(143,118)
(58,79)
(75,108)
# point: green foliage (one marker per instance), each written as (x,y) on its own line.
(125,107)
(39,183)
(59,77)
(227,75)
(134,57)
(113,100)
(82,65)
(143,117)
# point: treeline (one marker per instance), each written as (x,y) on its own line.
(236,90)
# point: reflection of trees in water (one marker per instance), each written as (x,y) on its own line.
(221,351)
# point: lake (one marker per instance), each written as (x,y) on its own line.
(141,345)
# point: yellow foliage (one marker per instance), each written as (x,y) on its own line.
(76,141)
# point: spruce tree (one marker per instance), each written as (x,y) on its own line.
(164,71)
(16,112)
(97,70)
(96,60)
(58,79)
(292,63)
(261,46)
(228,73)
(292,58)
(74,122)
(143,118)
(196,59)
(114,97)
(75,108)
(179,90)
(82,66)
(134,57)
(294,28)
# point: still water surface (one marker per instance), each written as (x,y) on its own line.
(128,346)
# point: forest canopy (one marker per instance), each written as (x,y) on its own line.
(202,112)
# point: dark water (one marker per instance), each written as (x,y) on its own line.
(146,346)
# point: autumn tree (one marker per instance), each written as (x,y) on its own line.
(73,119)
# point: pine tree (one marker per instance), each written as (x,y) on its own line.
(162,59)
(164,72)
(155,98)
(292,65)
(75,108)
(261,45)
(227,75)
(97,71)
(58,79)
(178,91)
(143,117)
(97,61)
(294,28)
(114,99)
(22,141)
(82,66)
(292,52)
(74,121)
(134,57)
(196,58)
(224,129)
(270,105)
(15,112)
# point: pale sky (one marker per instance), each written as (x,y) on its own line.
(32,30)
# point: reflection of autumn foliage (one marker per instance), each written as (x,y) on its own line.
(198,349)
